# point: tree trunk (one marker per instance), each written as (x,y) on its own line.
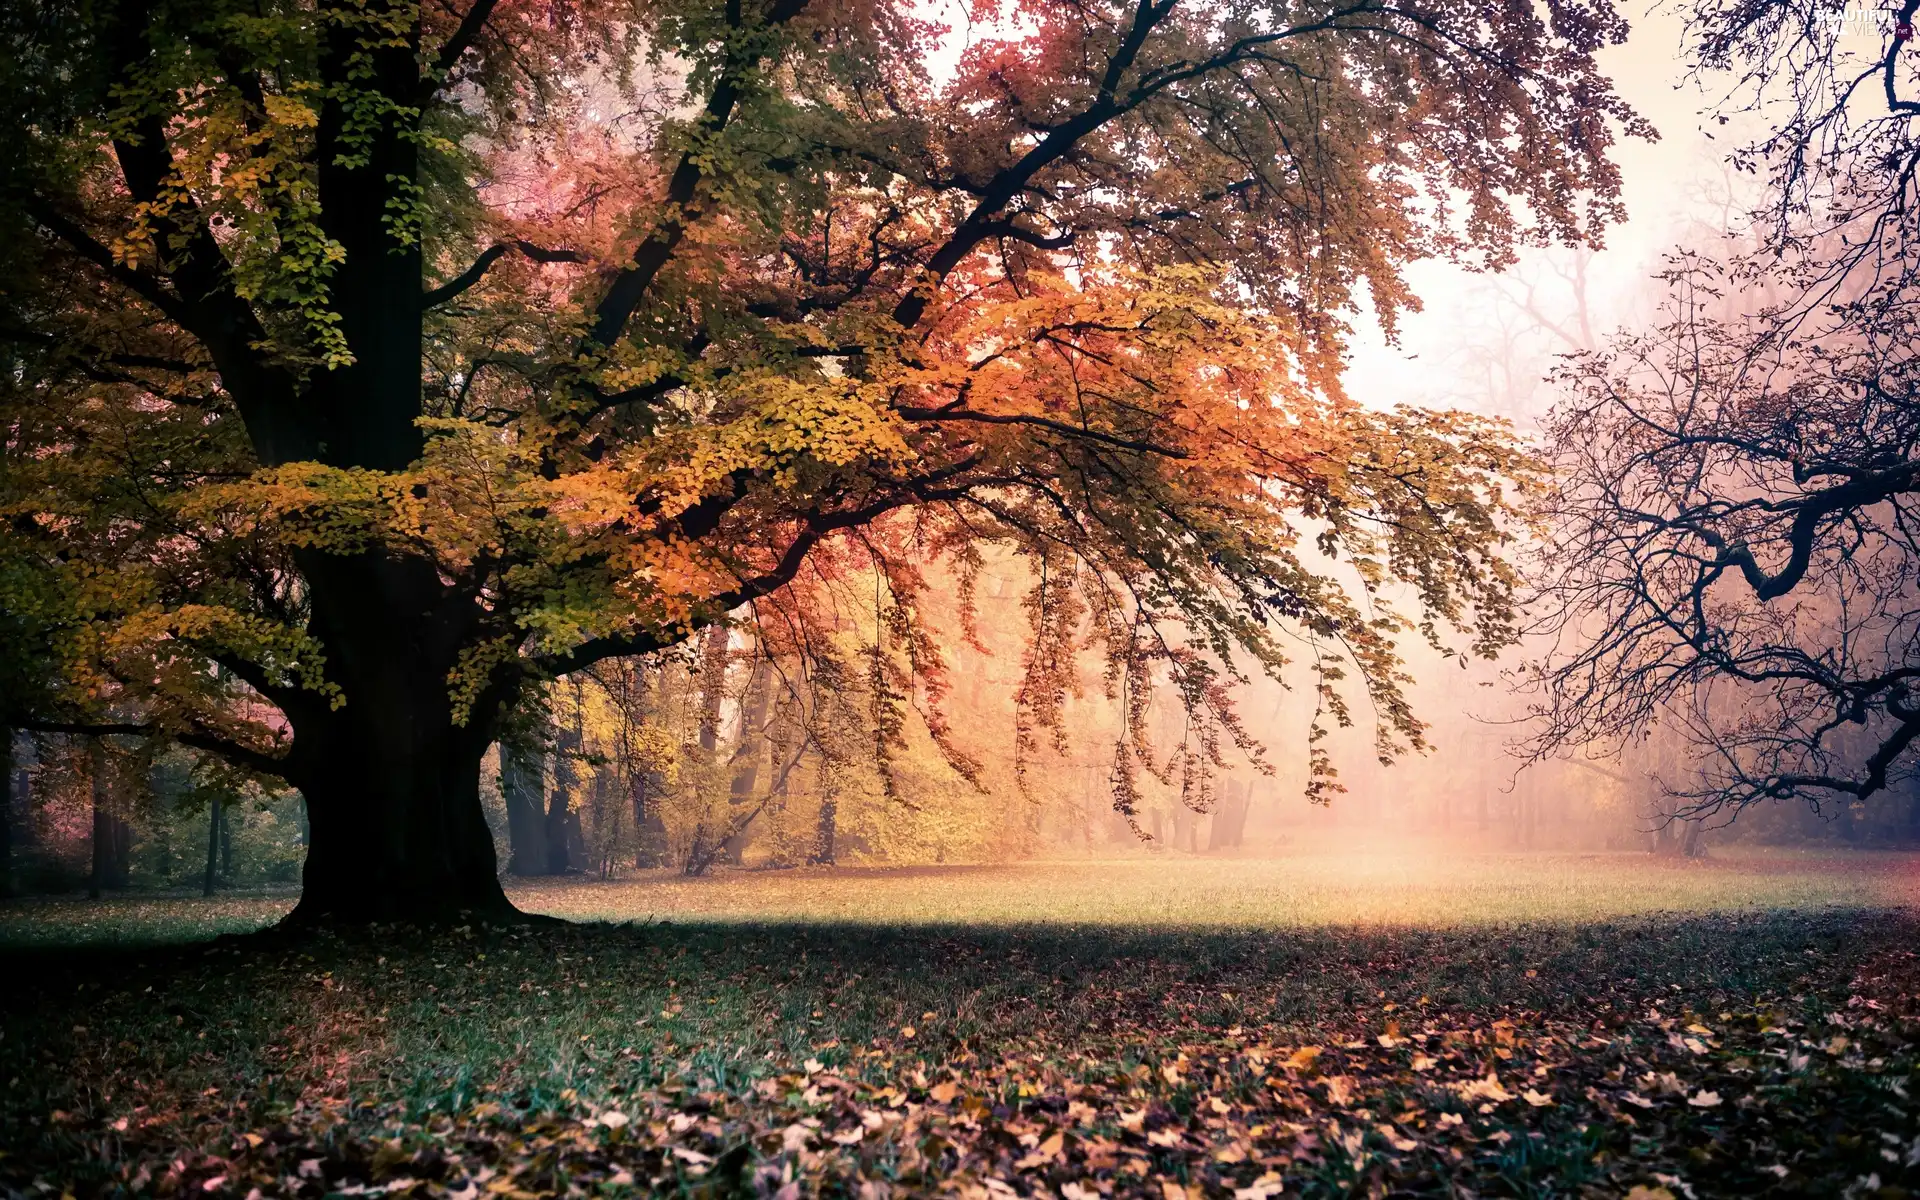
(216,817)
(6,811)
(1690,846)
(650,829)
(403,837)
(392,783)
(226,842)
(753,715)
(562,823)
(824,832)
(26,756)
(523,787)
(391,779)
(102,841)
(1229,818)
(713,685)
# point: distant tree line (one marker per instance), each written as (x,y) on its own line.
(105,814)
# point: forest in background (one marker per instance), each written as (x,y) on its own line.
(725,755)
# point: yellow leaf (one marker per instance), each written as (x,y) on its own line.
(1304,1058)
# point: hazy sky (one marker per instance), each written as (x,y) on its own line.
(1667,183)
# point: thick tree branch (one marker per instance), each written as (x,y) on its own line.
(1902,20)
(814,528)
(1811,512)
(630,286)
(144,284)
(198,739)
(473,274)
(459,43)
(1060,427)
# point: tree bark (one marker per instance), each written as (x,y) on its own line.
(523,787)
(404,838)
(392,782)
(6,811)
(824,832)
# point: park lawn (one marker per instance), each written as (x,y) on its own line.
(1509,1025)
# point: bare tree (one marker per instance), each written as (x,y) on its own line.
(1735,549)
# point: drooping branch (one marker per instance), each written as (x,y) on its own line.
(814,528)
(434,297)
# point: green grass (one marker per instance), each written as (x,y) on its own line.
(1169,1002)
(1301,891)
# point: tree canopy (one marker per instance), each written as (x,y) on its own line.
(390,357)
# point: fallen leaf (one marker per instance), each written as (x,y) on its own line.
(1263,1188)
(1304,1058)
(1484,1089)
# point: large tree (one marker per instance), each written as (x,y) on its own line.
(392,355)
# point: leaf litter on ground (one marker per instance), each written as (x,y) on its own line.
(1643,1059)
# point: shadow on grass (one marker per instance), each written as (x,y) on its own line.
(1068,978)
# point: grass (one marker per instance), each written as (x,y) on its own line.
(1301,891)
(1508,1025)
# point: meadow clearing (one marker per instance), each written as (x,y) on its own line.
(1322,1024)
